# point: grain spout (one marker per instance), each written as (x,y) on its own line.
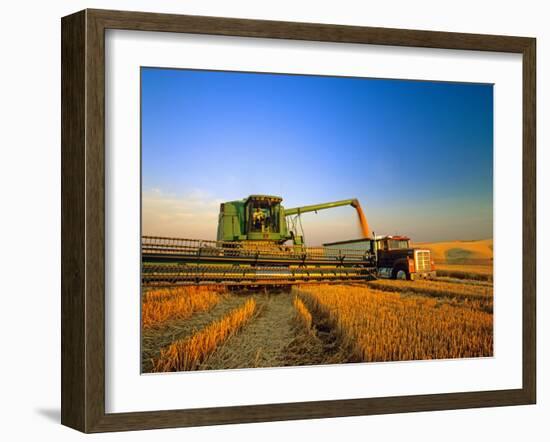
(362,220)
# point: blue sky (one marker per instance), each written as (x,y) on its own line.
(418,155)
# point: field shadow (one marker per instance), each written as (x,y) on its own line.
(458,256)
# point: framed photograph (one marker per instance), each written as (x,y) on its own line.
(268,221)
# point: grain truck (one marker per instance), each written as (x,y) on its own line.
(394,256)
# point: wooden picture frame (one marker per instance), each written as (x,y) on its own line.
(83,220)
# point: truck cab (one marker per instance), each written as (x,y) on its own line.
(396,259)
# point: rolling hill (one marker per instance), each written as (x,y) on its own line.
(461,252)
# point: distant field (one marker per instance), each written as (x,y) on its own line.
(460,293)
(461,252)
(470,272)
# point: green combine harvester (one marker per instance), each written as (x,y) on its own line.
(259,242)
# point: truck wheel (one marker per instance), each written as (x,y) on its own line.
(401,273)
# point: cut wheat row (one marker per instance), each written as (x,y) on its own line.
(303,316)
(189,353)
(161,305)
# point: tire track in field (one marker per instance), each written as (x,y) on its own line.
(261,343)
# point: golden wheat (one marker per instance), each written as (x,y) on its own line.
(436,288)
(475,272)
(161,305)
(463,251)
(189,353)
(303,315)
(478,296)
(383,326)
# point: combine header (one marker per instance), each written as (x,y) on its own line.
(180,261)
(250,250)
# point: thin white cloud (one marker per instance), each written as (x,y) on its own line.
(192,215)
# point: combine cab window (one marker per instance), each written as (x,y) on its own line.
(263,217)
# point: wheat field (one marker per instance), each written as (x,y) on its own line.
(436,288)
(202,328)
(479,252)
(476,296)
(466,272)
(384,326)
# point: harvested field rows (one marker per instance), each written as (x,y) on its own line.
(479,282)
(436,288)
(383,326)
(187,354)
(475,272)
(153,339)
(263,341)
(276,335)
(479,297)
(204,328)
